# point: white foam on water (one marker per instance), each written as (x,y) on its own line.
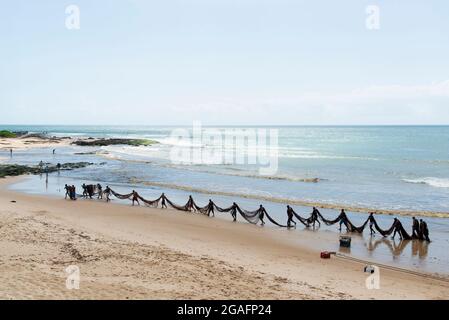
(430,181)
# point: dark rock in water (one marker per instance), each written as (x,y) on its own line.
(20,133)
(114,141)
(9,170)
(85,153)
(74,165)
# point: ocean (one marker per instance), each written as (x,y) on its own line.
(400,168)
(384,167)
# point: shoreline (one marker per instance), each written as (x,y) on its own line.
(146,253)
(19,144)
(303,203)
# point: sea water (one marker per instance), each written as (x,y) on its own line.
(403,168)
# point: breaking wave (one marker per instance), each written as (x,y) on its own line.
(430,181)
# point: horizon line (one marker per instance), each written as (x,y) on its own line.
(233,125)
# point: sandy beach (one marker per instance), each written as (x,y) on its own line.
(25,143)
(275,150)
(128,252)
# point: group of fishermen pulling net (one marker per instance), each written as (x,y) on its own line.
(420,230)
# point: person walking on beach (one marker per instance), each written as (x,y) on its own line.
(343,220)
(100,191)
(190,206)
(107,192)
(58,166)
(41,166)
(397,228)
(234,212)
(262,215)
(73,192)
(416,231)
(210,208)
(315,214)
(10,152)
(84,190)
(290,217)
(54,151)
(424,230)
(163,203)
(67,191)
(135,197)
(371,224)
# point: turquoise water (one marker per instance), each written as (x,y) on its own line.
(385,167)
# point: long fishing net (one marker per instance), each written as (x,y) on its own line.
(305,221)
(256,216)
(121,196)
(150,203)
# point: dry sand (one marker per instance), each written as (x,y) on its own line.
(24,143)
(141,253)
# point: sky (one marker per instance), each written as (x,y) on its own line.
(278,62)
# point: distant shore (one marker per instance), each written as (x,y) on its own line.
(28,141)
(34,141)
(143,253)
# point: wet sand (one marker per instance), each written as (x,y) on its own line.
(142,253)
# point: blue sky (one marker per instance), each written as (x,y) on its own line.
(224,62)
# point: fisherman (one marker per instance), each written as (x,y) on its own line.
(424,230)
(135,197)
(234,211)
(371,223)
(190,206)
(397,228)
(107,192)
(416,231)
(343,219)
(315,214)
(54,151)
(91,190)
(163,203)
(262,214)
(67,191)
(290,217)
(84,190)
(58,166)
(100,191)
(73,192)
(210,208)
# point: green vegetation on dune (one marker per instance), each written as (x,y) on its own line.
(7,134)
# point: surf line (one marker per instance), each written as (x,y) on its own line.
(304,203)
(200,311)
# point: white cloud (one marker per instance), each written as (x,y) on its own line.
(393,104)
